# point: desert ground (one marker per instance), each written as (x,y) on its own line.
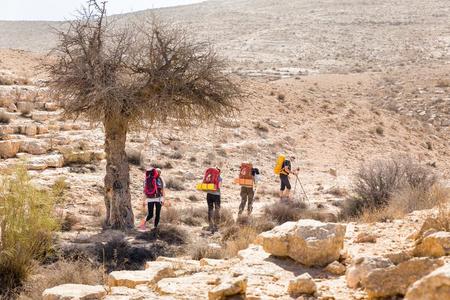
(338,84)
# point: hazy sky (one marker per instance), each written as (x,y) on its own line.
(58,10)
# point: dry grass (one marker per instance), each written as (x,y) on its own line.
(27,224)
(281,212)
(68,221)
(201,250)
(443,83)
(261,127)
(61,272)
(376,183)
(409,200)
(174,184)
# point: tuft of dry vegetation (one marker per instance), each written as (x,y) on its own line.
(281,212)
(387,189)
(27,225)
(174,184)
(64,271)
(201,250)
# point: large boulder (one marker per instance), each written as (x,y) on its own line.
(362,266)
(436,244)
(434,286)
(151,275)
(9,148)
(230,287)
(396,280)
(302,285)
(74,292)
(309,242)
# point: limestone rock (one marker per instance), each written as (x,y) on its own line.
(430,223)
(434,286)
(40,116)
(234,286)
(154,272)
(51,106)
(335,268)
(362,266)
(399,256)
(211,262)
(435,245)
(195,286)
(309,242)
(9,148)
(303,284)
(6,129)
(28,130)
(34,147)
(395,280)
(75,292)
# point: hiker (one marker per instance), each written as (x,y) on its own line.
(248,192)
(213,200)
(154,195)
(286,170)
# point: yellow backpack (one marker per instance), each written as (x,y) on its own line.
(279,164)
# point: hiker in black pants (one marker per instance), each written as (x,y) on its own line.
(285,187)
(154,195)
(213,200)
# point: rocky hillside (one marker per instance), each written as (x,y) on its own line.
(298,260)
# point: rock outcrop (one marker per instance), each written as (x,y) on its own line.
(395,280)
(362,266)
(302,285)
(436,244)
(434,286)
(74,291)
(309,242)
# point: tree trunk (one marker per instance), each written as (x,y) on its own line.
(119,213)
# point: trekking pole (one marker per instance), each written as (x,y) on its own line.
(301,185)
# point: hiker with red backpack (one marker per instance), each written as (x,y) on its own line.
(154,195)
(211,185)
(248,178)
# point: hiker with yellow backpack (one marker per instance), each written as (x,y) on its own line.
(283,168)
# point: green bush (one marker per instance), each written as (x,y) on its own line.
(26,228)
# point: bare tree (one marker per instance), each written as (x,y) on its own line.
(130,77)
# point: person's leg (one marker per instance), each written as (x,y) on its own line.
(282,187)
(216,210)
(158,213)
(251,194)
(243,200)
(288,188)
(150,211)
(210,201)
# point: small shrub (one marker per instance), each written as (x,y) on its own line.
(168,166)
(59,188)
(281,212)
(134,156)
(379,130)
(376,182)
(194,216)
(27,225)
(201,250)
(5,81)
(68,222)
(243,238)
(176,155)
(193,159)
(193,198)
(281,97)
(63,271)
(170,215)
(174,184)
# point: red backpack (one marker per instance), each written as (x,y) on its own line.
(151,187)
(212,176)
(246,171)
